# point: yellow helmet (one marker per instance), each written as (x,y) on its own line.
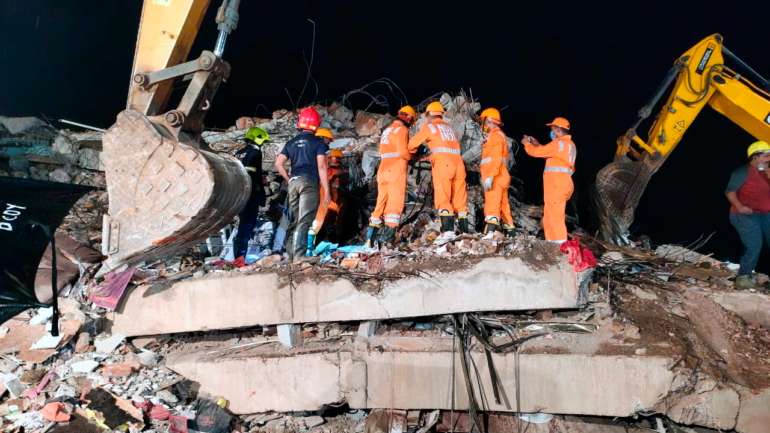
(490,113)
(325,133)
(758,147)
(407,109)
(435,107)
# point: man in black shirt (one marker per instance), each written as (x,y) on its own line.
(307,155)
(251,158)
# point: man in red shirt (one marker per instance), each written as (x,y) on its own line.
(749,195)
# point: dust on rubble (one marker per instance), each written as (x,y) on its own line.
(697,332)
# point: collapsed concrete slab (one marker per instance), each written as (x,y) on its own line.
(488,284)
(751,307)
(417,373)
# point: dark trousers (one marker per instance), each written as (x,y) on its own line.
(247,220)
(303,204)
(753,230)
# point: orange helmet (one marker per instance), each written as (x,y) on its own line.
(407,113)
(309,119)
(492,114)
(325,133)
(560,122)
(335,153)
(435,107)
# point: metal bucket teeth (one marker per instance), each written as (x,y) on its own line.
(164,195)
(619,188)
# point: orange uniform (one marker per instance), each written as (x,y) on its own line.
(334,204)
(494,154)
(560,157)
(391,176)
(448,168)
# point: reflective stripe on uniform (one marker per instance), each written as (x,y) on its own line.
(446,150)
(390,155)
(392,218)
(375,221)
(559,170)
(486,160)
(462,214)
(254,169)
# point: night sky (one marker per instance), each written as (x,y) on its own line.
(593,65)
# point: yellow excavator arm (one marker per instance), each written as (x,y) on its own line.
(698,78)
(165,192)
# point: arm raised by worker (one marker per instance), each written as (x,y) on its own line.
(280,166)
(537,150)
(422,135)
(323,175)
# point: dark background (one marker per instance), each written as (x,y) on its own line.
(593,64)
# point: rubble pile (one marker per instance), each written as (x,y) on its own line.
(700,349)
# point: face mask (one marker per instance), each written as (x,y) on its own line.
(552,135)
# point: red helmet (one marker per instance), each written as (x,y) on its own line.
(309,119)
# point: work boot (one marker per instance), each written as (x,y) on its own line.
(491,228)
(464,226)
(371,236)
(310,243)
(447,224)
(509,230)
(387,235)
(744,282)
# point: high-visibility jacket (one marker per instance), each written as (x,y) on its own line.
(391,175)
(448,168)
(494,155)
(559,157)
(559,154)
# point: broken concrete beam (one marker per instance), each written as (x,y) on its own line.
(489,284)
(751,307)
(416,373)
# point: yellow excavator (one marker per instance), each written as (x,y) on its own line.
(700,77)
(166,192)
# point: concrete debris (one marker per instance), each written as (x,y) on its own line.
(357,339)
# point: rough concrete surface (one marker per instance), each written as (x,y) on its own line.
(492,284)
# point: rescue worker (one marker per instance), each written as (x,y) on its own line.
(494,173)
(333,174)
(749,195)
(559,156)
(251,158)
(307,155)
(391,178)
(450,197)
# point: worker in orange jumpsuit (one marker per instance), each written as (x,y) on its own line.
(559,156)
(334,171)
(391,178)
(494,173)
(450,197)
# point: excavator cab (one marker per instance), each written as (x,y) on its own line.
(166,192)
(698,78)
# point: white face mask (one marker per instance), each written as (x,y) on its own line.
(552,135)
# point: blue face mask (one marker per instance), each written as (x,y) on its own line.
(552,135)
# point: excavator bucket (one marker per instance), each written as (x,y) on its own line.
(165,195)
(619,187)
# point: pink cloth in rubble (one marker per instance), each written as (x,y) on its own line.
(580,257)
(108,294)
